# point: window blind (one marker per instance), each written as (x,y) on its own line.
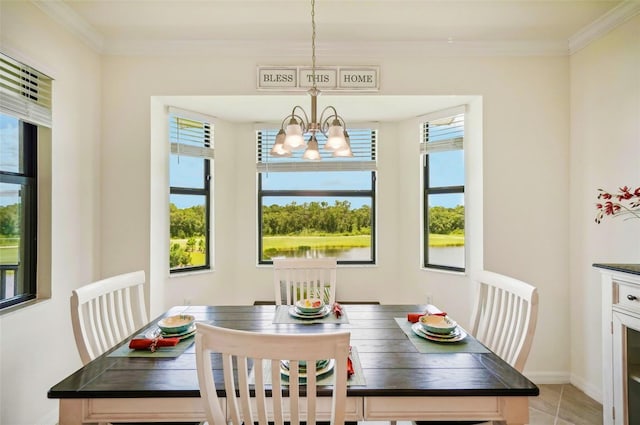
(443,134)
(25,93)
(190,134)
(363,146)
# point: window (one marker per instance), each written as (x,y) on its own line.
(25,104)
(317,208)
(443,197)
(190,171)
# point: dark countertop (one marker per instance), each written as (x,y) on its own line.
(625,268)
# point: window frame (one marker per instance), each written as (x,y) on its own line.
(204,191)
(29,247)
(364,159)
(427,190)
(355,193)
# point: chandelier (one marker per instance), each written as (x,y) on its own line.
(298,125)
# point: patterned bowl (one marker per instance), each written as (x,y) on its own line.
(176,324)
(437,324)
(309,305)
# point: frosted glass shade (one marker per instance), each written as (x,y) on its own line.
(294,139)
(312,152)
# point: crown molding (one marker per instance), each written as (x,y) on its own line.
(258,48)
(601,26)
(69,19)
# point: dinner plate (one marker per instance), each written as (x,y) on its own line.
(182,335)
(417,329)
(302,376)
(293,311)
(302,366)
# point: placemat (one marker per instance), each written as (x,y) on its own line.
(166,352)
(282,316)
(356,379)
(467,345)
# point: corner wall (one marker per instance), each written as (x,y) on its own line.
(605,153)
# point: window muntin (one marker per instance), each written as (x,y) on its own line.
(326,212)
(18,211)
(443,198)
(189,193)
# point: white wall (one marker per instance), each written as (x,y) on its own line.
(105,190)
(605,153)
(36,343)
(525,106)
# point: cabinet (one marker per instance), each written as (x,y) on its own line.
(620,343)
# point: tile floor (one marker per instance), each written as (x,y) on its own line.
(561,404)
(564,405)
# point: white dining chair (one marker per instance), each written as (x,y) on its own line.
(299,278)
(505,316)
(254,359)
(504,319)
(105,312)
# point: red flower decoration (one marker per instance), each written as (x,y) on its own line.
(628,203)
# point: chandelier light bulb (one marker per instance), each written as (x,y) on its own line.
(344,152)
(294,139)
(335,137)
(312,152)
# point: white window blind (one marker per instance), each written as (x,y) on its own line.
(25,93)
(190,134)
(363,146)
(444,132)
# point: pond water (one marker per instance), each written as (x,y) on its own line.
(446,256)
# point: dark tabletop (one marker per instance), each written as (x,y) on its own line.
(391,364)
(625,268)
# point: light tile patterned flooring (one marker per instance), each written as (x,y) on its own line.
(564,405)
(561,404)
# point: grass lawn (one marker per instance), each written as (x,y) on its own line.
(360,241)
(292,242)
(197,258)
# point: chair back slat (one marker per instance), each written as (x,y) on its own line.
(105,312)
(292,401)
(505,316)
(299,278)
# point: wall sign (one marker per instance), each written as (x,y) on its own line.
(328,78)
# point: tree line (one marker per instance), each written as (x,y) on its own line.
(446,221)
(10,220)
(316,218)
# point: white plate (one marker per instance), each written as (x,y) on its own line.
(182,335)
(417,329)
(293,311)
(319,372)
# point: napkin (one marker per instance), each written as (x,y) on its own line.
(431,309)
(350,370)
(337,310)
(151,344)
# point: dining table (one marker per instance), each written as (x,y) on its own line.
(399,374)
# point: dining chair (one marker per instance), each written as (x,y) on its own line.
(299,278)
(505,316)
(504,319)
(251,359)
(105,312)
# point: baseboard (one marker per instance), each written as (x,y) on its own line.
(588,388)
(548,377)
(50,418)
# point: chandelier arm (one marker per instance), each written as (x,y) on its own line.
(324,123)
(304,122)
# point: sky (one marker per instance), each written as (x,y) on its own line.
(447,168)
(8,157)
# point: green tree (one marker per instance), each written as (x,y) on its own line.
(178,257)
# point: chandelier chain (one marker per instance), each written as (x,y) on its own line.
(313,42)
